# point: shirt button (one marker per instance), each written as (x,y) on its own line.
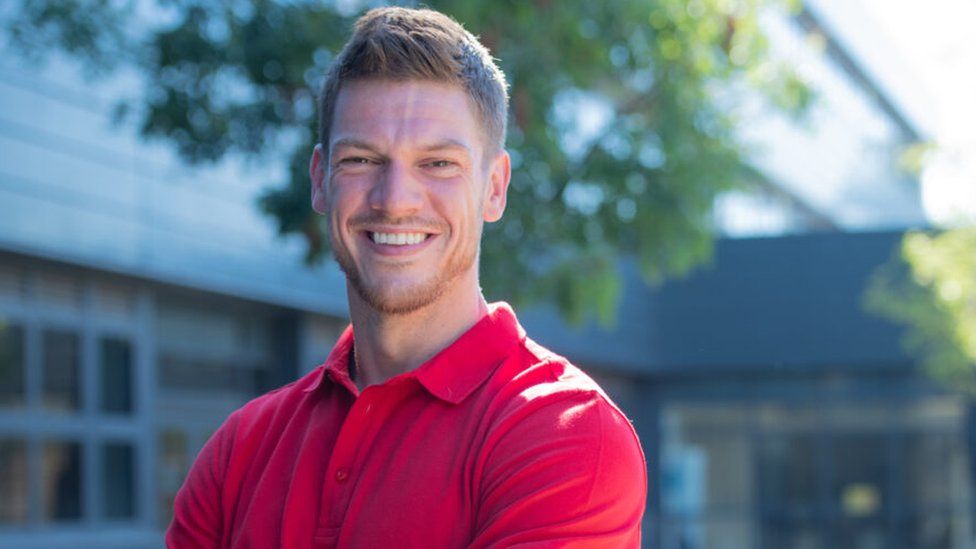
(341,475)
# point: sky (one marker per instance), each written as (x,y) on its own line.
(933,50)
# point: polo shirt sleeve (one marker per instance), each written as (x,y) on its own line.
(197,515)
(566,471)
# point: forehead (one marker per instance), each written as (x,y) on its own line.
(389,113)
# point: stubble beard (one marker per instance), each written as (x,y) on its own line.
(405,300)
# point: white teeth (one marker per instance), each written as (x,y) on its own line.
(398,239)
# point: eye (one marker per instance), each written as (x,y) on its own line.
(440,164)
(354,160)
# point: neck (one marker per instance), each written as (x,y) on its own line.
(390,344)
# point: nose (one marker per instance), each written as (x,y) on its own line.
(397,193)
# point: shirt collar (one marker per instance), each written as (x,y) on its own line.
(454,372)
(336,366)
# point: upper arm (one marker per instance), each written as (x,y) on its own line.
(197,511)
(570,472)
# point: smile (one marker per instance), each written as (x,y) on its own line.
(398,239)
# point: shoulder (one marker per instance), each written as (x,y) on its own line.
(559,457)
(534,376)
(541,394)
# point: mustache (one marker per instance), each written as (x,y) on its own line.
(364,221)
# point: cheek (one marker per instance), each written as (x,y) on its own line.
(341,201)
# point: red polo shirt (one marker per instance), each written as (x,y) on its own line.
(493,442)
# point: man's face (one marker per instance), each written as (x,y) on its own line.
(406,186)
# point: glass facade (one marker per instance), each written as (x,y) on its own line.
(68,430)
(857,475)
(211,360)
(81,448)
(109,388)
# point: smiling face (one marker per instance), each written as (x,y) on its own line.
(406,184)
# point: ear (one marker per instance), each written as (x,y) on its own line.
(496,191)
(317,168)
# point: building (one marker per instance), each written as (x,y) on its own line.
(775,412)
(832,169)
(141,301)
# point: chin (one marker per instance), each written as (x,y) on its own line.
(399,301)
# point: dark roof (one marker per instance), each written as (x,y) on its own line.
(787,303)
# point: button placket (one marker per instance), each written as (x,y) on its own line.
(338,488)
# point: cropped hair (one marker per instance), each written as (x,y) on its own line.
(400,44)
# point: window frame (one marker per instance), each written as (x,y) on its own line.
(90,426)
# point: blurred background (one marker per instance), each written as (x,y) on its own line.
(752,221)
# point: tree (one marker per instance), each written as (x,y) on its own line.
(621,130)
(930,288)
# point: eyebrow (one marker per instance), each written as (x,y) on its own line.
(443,144)
(448,143)
(352,142)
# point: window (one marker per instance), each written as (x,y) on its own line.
(242,380)
(937,478)
(174,462)
(211,360)
(61,481)
(61,382)
(856,476)
(11,365)
(118,480)
(13,481)
(70,440)
(210,354)
(116,376)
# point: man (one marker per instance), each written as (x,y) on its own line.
(434,422)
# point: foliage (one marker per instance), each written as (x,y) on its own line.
(931,288)
(620,131)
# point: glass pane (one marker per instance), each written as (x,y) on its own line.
(11,365)
(732,532)
(224,377)
(784,532)
(861,534)
(13,481)
(678,533)
(789,472)
(728,533)
(859,491)
(936,531)
(930,467)
(790,479)
(174,463)
(861,468)
(728,469)
(118,478)
(116,374)
(60,374)
(61,481)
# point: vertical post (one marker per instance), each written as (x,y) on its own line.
(144,377)
(92,498)
(647,423)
